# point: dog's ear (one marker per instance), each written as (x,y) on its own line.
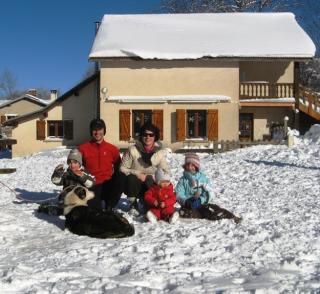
(66,191)
(80,192)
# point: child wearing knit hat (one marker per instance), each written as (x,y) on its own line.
(194,191)
(160,199)
(74,175)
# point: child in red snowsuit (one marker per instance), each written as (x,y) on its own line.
(160,199)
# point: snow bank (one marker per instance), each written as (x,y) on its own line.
(275,249)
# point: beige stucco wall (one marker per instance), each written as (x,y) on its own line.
(79,108)
(268,71)
(156,78)
(20,107)
(263,117)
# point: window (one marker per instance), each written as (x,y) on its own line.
(134,123)
(140,117)
(55,128)
(58,129)
(196,123)
(9,116)
(6,117)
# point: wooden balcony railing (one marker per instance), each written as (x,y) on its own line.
(263,90)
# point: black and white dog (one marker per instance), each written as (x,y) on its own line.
(83,220)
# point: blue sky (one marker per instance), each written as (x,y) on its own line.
(46,43)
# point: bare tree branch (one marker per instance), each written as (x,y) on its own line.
(8,84)
(192,6)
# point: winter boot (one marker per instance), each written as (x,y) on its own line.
(174,217)
(237,220)
(151,217)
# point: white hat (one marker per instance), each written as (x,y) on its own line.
(160,175)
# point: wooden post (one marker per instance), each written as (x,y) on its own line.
(296,94)
(215,147)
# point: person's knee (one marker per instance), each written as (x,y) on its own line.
(132,179)
(132,186)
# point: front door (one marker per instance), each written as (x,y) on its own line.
(246,126)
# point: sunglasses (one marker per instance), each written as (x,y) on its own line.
(148,135)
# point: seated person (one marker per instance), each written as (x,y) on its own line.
(73,176)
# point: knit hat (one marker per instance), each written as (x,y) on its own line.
(192,158)
(75,155)
(152,128)
(97,124)
(160,175)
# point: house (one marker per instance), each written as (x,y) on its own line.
(63,122)
(199,77)
(26,103)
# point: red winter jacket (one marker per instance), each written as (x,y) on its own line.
(164,194)
(100,159)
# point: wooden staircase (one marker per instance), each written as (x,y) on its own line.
(309,103)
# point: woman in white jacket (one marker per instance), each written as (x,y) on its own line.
(140,162)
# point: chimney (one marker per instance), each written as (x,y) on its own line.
(33,92)
(53,95)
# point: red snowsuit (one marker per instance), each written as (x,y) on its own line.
(165,195)
(100,159)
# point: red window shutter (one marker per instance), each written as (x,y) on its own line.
(124,124)
(157,120)
(180,124)
(41,129)
(68,129)
(212,119)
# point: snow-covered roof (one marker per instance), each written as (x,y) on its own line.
(193,36)
(25,96)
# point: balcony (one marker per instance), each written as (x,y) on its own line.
(265,90)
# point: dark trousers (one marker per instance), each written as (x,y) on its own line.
(135,188)
(109,191)
(208,211)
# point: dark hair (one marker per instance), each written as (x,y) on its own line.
(96,124)
(152,128)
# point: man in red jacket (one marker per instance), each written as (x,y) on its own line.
(102,160)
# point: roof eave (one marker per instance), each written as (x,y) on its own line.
(229,58)
(14,121)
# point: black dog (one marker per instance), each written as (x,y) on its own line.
(83,220)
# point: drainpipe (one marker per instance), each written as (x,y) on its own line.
(97,69)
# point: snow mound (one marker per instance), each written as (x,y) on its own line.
(275,249)
(312,136)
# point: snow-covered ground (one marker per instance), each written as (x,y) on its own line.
(275,249)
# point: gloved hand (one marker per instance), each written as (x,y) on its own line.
(59,167)
(193,203)
(59,170)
